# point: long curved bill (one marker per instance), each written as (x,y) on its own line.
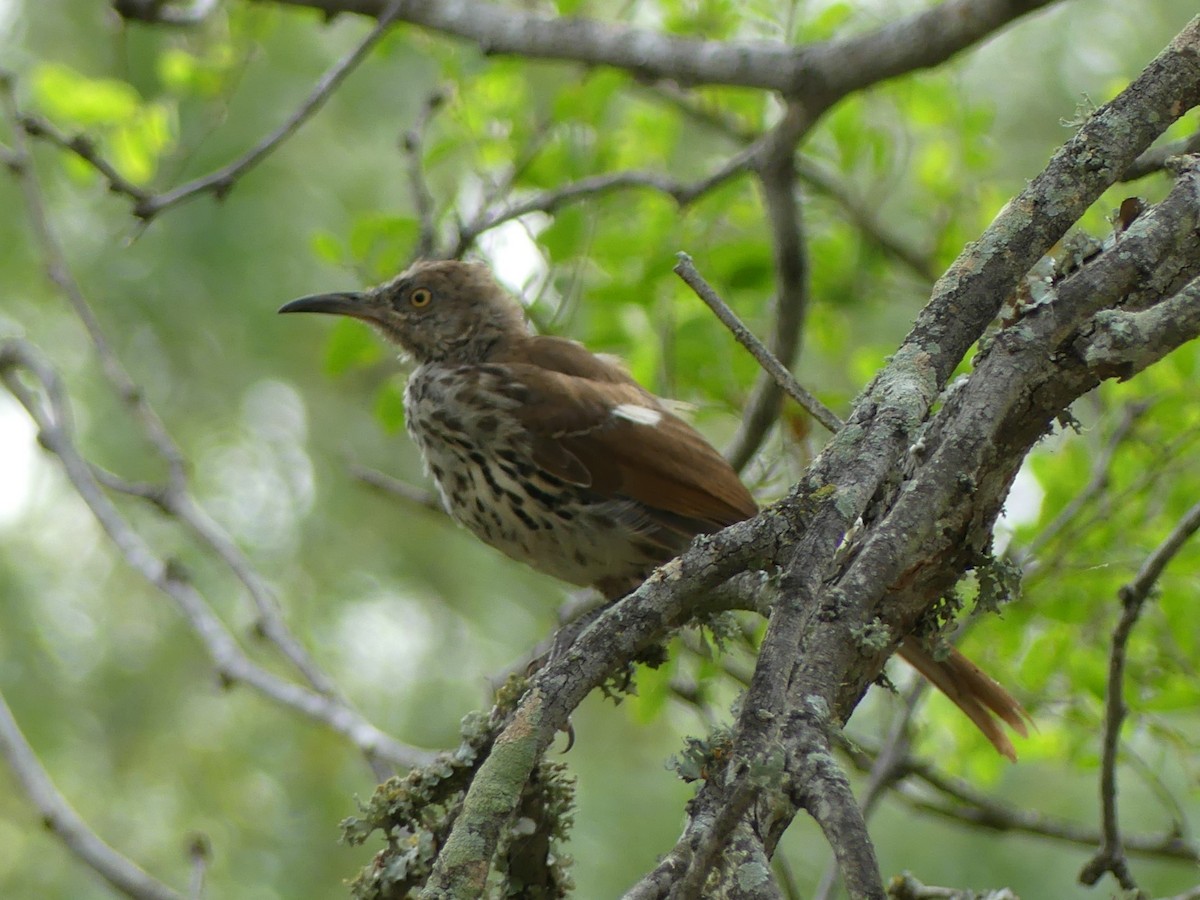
(350,303)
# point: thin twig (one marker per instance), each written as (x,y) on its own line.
(502,184)
(85,148)
(1155,159)
(775,166)
(1097,482)
(407,492)
(863,216)
(858,212)
(63,822)
(1110,857)
(200,853)
(682,192)
(174,497)
(906,887)
(686,270)
(219,183)
(51,413)
(967,804)
(413,145)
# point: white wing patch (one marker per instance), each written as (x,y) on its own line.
(639,415)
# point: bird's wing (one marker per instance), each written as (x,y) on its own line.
(594,426)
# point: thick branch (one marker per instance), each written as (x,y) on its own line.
(823,660)
(1120,342)
(820,73)
(668,598)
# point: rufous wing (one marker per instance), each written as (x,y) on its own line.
(583,409)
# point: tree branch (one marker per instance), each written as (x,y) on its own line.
(683,193)
(776,171)
(669,597)
(411,494)
(147,205)
(963,802)
(1155,159)
(64,823)
(1110,858)
(174,497)
(1121,342)
(51,414)
(1098,482)
(412,143)
(686,270)
(820,73)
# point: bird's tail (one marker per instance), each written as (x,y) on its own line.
(973,691)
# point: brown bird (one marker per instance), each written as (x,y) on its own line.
(558,458)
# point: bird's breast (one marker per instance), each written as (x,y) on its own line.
(481,458)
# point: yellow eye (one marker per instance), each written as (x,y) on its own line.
(420,297)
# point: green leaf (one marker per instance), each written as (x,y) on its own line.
(382,244)
(351,346)
(389,405)
(328,246)
(67,95)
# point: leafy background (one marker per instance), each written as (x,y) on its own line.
(412,616)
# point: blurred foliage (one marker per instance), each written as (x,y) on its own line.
(410,615)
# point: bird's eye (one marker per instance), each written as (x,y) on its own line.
(420,297)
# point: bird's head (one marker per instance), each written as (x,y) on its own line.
(438,311)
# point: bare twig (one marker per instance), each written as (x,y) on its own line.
(64,823)
(407,492)
(174,497)
(686,270)
(1155,159)
(863,217)
(413,145)
(858,213)
(682,192)
(200,853)
(704,113)
(961,801)
(775,166)
(51,413)
(1110,858)
(906,887)
(219,183)
(1097,482)
(85,148)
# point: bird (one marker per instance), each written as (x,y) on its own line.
(558,458)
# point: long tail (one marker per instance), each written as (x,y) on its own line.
(973,691)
